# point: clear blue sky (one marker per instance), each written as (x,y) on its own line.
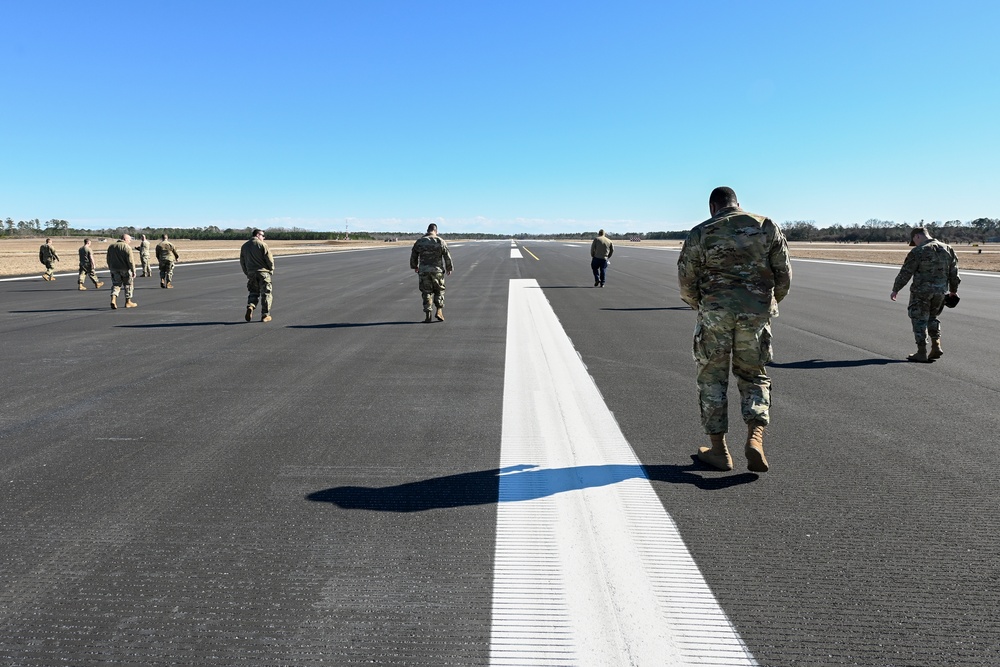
(496,116)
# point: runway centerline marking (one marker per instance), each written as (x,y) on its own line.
(589,569)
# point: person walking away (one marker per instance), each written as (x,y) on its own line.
(733,269)
(257,263)
(143,249)
(601,249)
(933,267)
(431,260)
(166,256)
(122,267)
(88,268)
(48,256)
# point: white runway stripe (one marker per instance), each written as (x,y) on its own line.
(516,254)
(589,569)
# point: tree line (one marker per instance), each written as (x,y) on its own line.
(873,230)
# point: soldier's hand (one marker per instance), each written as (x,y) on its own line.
(893,295)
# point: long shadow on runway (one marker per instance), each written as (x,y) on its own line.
(821,363)
(168,325)
(643,309)
(347,325)
(520,482)
(57,310)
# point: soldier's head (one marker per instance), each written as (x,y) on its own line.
(47,240)
(126,238)
(257,234)
(143,237)
(164,238)
(432,228)
(722,197)
(600,232)
(918,235)
(86,242)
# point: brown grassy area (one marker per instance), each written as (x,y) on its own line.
(19,257)
(969,257)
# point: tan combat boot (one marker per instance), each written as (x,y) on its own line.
(920,355)
(99,284)
(936,351)
(756,461)
(81,287)
(439,314)
(266,318)
(249,313)
(129,303)
(114,302)
(45,276)
(170,285)
(427,317)
(717,455)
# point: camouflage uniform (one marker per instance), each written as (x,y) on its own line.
(166,255)
(47,255)
(144,258)
(733,269)
(431,259)
(122,268)
(257,263)
(933,267)
(88,267)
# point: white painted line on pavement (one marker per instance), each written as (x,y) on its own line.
(589,567)
(516,254)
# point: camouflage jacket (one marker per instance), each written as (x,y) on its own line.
(736,262)
(143,249)
(602,248)
(47,254)
(87,259)
(165,252)
(120,256)
(430,255)
(933,267)
(256,256)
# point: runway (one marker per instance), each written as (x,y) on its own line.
(182,487)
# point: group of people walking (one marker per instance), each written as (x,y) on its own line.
(733,269)
(256,260)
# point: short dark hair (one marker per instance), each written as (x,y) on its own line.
(255,232)
(722,197)
(432,228)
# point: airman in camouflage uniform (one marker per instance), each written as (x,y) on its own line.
(166,255)
(143,249)
(257,263)
(47,255)
(88,268)
(122,267)
(933,267)
(431,260)
(733,269)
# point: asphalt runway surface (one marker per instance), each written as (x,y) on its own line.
(180,487)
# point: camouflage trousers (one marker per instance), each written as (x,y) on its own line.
(50,268)
(924,310)
(745,340)
(259,288)
(144,260)
(432,290)
(167,271)
(87,273)
(122,279)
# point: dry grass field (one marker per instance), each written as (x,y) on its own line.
(19,257)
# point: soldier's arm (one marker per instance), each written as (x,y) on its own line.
(269,258)
(906,271)
(414,257)
(780,266)
(689,266)
(953,279)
